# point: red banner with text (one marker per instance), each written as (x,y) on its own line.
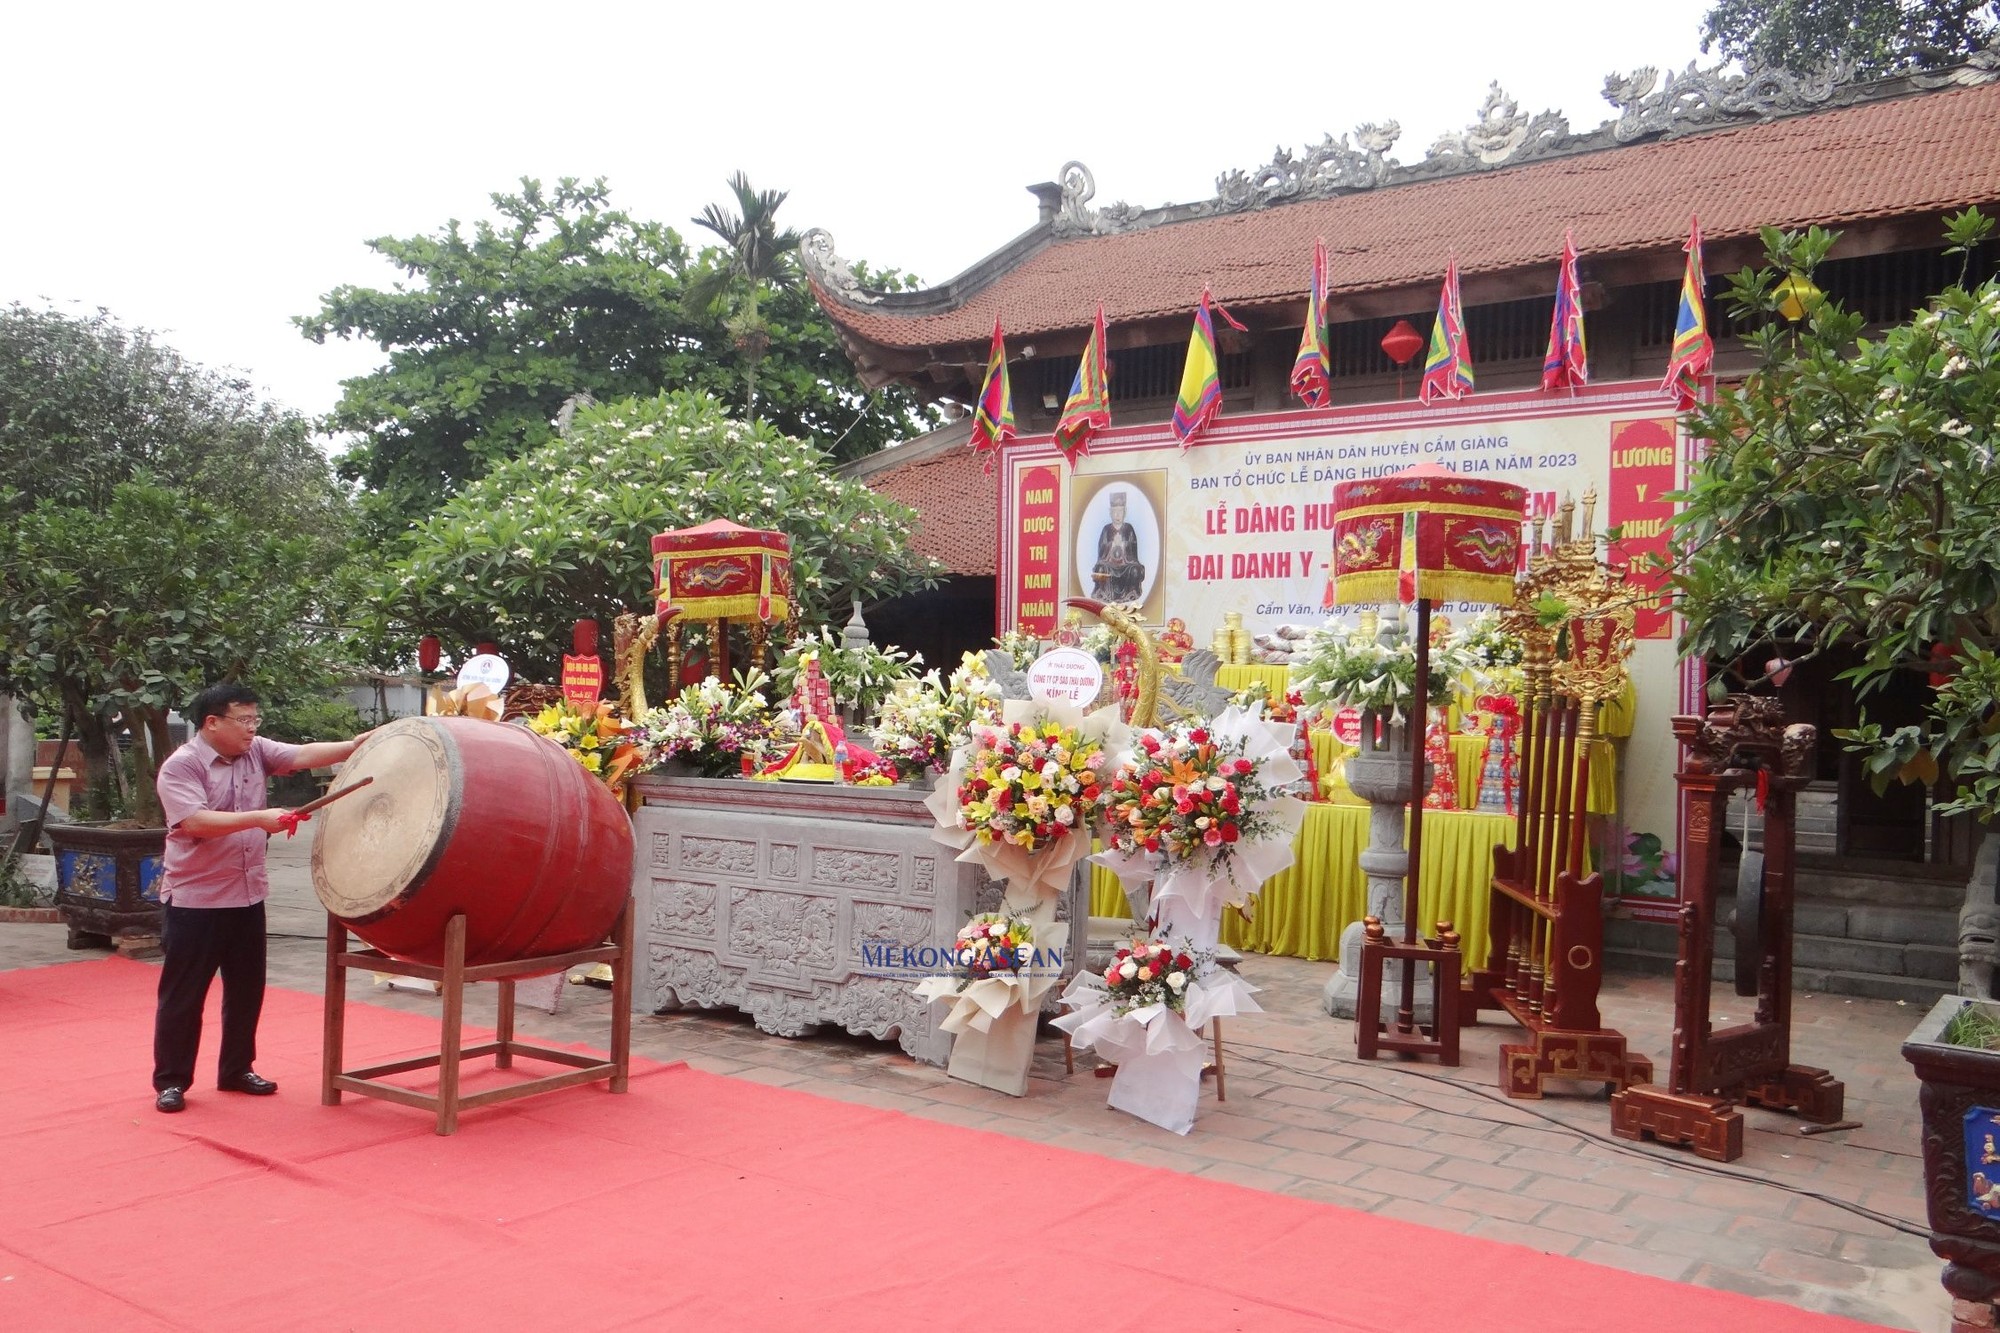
(1038,507)
(582,679)
(1643,467)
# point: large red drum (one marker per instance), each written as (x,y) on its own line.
(484,818)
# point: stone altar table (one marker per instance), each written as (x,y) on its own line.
(804,904)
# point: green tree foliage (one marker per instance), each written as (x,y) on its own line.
(565,531)
(494,329)
(159,529)
(1849,496)
(1877,37)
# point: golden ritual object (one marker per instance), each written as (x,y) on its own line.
(1123,620)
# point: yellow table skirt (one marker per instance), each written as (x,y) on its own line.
(1469,753)
(1302,911)
(1277,679)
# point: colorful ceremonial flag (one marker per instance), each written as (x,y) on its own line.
(1694,349)
(1448,368)
(1088,410)
(1567,364)
(1312,369)
(993,419)
(1200,397)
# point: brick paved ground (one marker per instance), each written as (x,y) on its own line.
(1435,1146)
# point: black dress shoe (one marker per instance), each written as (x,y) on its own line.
(170,1100)
(250,1083)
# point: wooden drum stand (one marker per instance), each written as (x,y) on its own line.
(1741,745)
(453,975)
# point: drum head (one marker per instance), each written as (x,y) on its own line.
(376,845)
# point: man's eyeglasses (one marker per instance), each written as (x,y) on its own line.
(248,721)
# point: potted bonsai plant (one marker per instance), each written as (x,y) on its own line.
(1955,1052)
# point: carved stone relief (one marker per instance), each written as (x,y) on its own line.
(683,907)
(781,934)
(855,866)
(727,856)
(784,861)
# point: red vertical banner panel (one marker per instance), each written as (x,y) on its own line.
(1036,538)
(1642,475)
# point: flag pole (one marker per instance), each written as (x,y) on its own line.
(1420,719)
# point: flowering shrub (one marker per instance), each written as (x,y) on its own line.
(595,737)
(711,724)
(1029,784)
(1185,793)
(1147,972)
(1338,668)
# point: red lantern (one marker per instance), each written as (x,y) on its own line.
(429,652)
(488,647)
(1402,342)
(583,638)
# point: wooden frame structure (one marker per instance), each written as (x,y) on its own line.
(1408,1037)
(447,1102)
(1545,957)
(1742,745)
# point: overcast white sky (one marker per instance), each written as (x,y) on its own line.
(209,170)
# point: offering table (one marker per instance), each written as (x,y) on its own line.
(802,904)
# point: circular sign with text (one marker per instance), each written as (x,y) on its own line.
(1347,726)
(488,669)
(1066,673)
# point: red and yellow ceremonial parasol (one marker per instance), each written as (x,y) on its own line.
(720,571)
(1422,535)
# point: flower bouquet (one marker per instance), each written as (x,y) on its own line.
(923,720)
(1003,963)
(595,737)
(1141,1014)
(1146,972)
(711,725)
(1206,811)
(1022,794)
(1336,668)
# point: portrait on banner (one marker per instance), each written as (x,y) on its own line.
(1117,523)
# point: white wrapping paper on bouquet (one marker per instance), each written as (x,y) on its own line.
(1031,877)
(1227,876)
(1158,1052)
(992,1020)
(975,1005)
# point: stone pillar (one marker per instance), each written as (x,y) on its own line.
(17,764)
(1380,775)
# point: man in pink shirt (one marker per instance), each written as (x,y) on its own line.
(213,791)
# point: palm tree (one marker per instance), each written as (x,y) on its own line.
(759,256)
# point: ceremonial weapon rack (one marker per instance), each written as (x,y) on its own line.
(1742,745)
(1545,956)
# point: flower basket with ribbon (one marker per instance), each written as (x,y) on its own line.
(1023,795)
(1004,962)
(1142,1014)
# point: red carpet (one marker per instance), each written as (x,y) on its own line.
(693,1202)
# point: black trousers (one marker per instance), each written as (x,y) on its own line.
(199,942)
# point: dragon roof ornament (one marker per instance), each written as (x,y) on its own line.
(1649,107)
(1686,102)
(830,271)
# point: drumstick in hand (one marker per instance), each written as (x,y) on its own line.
(331,797)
